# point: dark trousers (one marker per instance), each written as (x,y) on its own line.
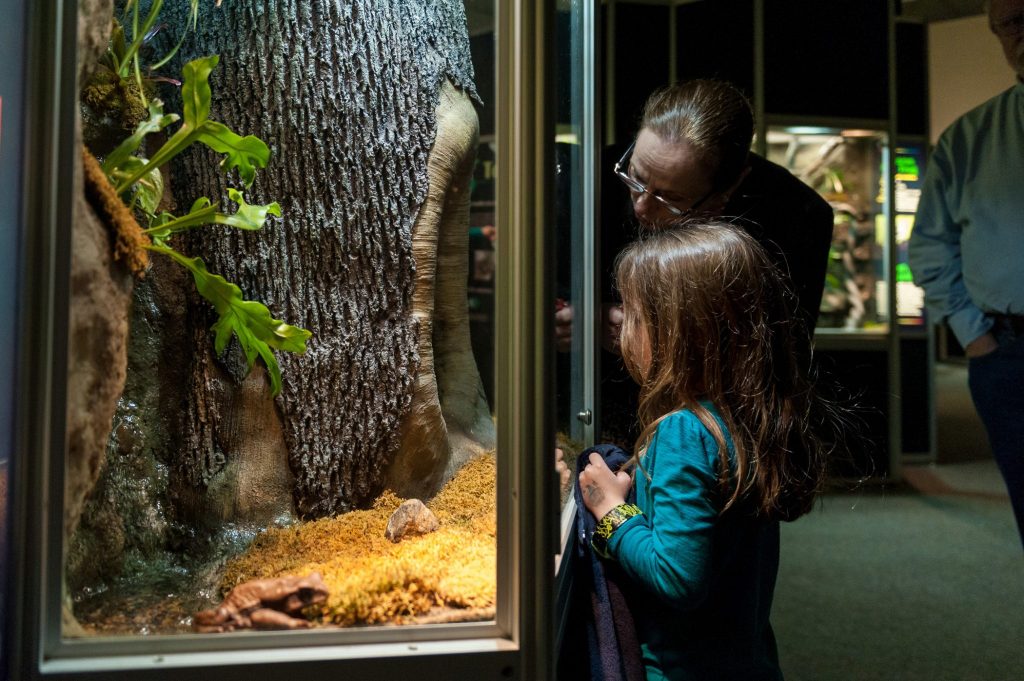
(996,381)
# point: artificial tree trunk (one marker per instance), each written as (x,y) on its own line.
(348,97)
(449,421)
(366,107)
(98,325)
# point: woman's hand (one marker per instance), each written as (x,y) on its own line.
(564,314)
(611,327)
(602,489)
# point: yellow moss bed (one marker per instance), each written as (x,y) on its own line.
(374,581)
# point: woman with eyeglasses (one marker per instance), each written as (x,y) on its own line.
(692,158)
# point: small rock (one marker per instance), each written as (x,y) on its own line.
(412,517)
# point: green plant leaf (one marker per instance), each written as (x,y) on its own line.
(118,47)
(157,121)
(245,153)
(195,89)
(131,55)
(148,189)
(248,217)
(250,321)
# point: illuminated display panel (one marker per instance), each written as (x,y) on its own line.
(848,168)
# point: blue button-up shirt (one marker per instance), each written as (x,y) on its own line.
(967,248)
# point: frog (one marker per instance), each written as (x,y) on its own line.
(274,603)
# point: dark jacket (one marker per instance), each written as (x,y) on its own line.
(791,220)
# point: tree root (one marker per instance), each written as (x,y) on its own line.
(129,241)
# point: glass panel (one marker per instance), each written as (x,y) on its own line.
(12,32)
(848,168)
(308,442)
(482,230)
(573,413)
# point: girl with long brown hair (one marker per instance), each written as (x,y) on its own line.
(731,443)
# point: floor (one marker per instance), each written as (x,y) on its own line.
(917,580)
(963,459)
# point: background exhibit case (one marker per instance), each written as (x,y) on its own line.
(873,190)
(385,396)
(848,163)
(848,168)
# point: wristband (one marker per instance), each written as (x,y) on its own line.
(608,524)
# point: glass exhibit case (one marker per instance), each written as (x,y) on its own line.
(856,347)
(302,299)
(849,167)
(908,164)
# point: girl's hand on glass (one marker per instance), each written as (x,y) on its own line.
(602,489)
(562,468)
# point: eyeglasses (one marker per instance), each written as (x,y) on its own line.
(1010,27)
(639,187)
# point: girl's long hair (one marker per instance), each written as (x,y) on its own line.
(718,322)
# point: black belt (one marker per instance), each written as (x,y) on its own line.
(1011,322)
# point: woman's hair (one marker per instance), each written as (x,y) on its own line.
(712,116)
(713,314)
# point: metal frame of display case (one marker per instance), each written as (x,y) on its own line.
(517,644)
(906,335)
(589,155)
(915,342)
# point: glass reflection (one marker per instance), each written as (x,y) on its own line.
(572,415)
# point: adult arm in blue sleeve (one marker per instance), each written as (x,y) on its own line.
(934,251)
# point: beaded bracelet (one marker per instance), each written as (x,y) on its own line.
(608,524)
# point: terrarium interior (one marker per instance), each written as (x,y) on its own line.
(847,168)
(270,334)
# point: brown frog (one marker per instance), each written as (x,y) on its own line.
(264,604)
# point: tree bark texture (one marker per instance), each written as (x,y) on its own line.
(345,95)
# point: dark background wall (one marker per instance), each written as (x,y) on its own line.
(820,59)
(716,40)
(827,59)
(799,61)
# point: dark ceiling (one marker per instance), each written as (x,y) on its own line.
(940,10)
(480,13)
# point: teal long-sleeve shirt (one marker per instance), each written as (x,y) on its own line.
(705,580)
(965,250)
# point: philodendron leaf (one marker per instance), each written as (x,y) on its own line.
(157,121)
(248,217)
(251,322)
(195,90)
(245,153)
(147,190)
